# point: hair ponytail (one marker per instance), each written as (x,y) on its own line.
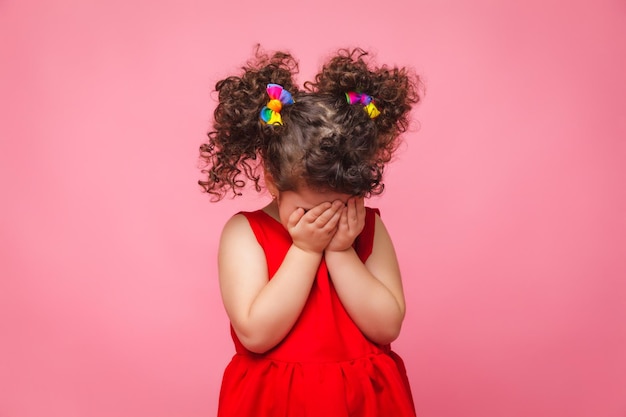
(238,137)
(372,105)
(393,91)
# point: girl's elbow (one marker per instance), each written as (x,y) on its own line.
(389,330)
(391,335)
(386,334)
(257,347)
(256,342)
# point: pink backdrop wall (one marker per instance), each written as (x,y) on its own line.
(507,207)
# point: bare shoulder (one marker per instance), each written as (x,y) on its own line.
(238,231)
(382,239)
(237,227)
(238,245)
(383,260)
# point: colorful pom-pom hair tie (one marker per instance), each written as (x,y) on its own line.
(279,97)
(353,97)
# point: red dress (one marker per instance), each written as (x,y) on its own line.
(325,366)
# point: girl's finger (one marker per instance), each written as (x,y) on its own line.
(352,213)
(360,209)
(314,213)
(335,220)
(295,217)
(329,213)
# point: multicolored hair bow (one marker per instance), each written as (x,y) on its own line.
(279,97)
(361,98)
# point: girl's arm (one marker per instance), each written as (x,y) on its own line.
(371,293)
(263,311)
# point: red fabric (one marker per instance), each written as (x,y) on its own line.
(325,366)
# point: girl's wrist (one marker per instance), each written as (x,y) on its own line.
(339,252)
(308,252)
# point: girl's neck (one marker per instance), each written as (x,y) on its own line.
(272,210)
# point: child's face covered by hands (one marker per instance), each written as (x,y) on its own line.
(313,219)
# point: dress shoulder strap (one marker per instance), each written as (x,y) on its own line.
(364,243)
(266,229)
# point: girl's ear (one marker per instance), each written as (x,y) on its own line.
(270,185)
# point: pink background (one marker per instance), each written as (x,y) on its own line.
(507,206)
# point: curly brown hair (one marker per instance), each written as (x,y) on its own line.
(324,143)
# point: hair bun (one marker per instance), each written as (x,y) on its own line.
(238,133)
(393,90)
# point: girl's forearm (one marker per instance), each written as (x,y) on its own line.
(370,304)
(278,305)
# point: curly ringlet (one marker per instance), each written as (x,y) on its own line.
(324,142)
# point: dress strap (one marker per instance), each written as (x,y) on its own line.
(364,243)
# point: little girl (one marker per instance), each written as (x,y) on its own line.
(310,282)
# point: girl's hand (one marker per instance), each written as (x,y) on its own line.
(350,225)
(312,230)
